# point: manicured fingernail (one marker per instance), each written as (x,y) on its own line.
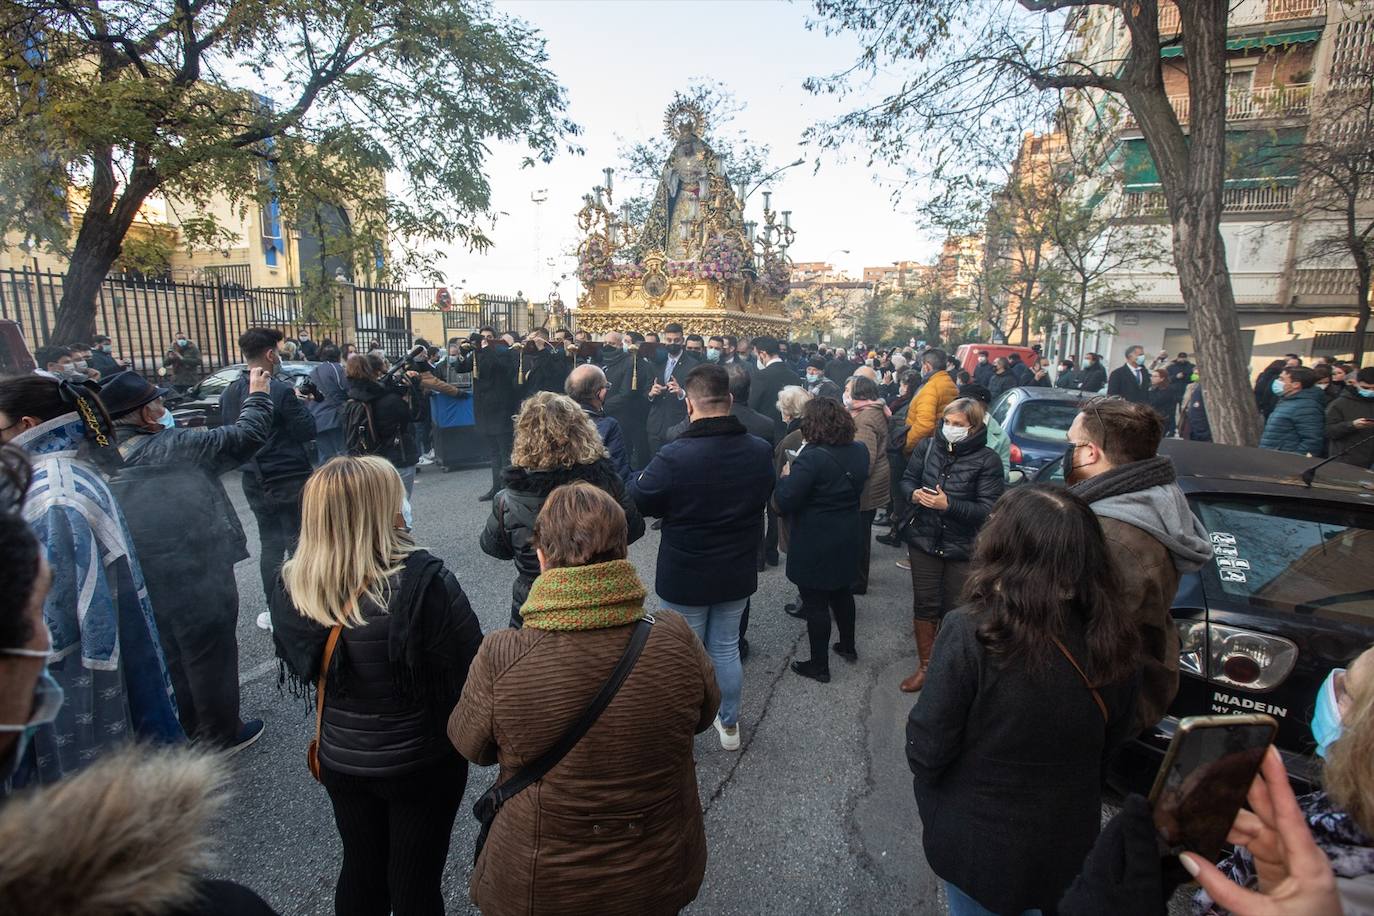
(1188,864)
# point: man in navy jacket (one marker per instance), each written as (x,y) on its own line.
(710,486)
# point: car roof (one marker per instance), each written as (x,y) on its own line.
(1052,394)
(1203,466)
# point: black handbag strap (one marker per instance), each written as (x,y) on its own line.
(492,800)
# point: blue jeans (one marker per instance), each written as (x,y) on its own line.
(717,626)
(961,904)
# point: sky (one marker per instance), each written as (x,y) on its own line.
(621,62)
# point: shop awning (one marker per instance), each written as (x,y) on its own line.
(1252,42)
(1253,158)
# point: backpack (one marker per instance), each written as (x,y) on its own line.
(360,434)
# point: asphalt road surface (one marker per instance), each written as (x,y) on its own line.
(813,815)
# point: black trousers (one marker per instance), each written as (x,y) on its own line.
(817,607)
(899,507)
(936,584)
(197,612)
(395,834)
(768,547)
(498,441)
(865,549)
(276,504)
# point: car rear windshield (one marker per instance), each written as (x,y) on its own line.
(1291,555)
(1048,421)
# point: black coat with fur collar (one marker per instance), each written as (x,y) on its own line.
(510,529)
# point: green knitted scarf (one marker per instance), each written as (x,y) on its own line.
(585,597)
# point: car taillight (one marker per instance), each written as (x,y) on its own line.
(1234,656)
(1015,453)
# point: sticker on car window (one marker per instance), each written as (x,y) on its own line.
(1232,575)
(1232,563)
(1223,537)
(1221,551)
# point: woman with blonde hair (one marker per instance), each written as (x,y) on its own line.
(556,443)
(1341,814)
(614,826)
(394,635)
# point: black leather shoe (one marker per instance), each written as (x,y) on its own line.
(792,609)
(487,497)
(657,525)
(846,653)
(888,539)
(813,670)
(773,559)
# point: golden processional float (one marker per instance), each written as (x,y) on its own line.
(694,260)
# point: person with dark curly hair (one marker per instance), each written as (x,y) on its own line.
(819,491)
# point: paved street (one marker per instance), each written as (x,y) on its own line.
(813,815)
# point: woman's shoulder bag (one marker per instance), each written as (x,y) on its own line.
(312,753)
(490,803)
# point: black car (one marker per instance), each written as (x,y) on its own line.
(202,400)
(1037,422)
(1289,594)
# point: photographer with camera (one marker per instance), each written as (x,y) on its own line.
(493,363)
(274,477)
(379,416)
(329,390)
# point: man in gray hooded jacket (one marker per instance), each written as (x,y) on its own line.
(1152,535)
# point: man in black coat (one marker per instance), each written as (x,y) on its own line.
(275,476)
(495,398)
(667,395)
(1180,373)
(839,369)
(1130,381)
(983,370)
(170,485)
(769,381)
(709,487)
(630,377)
(543,366)
(1094,374)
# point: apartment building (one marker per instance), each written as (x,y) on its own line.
(1283,56)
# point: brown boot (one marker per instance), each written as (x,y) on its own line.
(925,639)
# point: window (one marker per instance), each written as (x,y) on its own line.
(1047,421)
(1003,407)
(215,384)
(1293,556)
(1240,80)
(269,254)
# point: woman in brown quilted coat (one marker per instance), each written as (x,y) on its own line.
(616,826)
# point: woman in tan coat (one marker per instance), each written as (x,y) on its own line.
(871,418)
(616,826)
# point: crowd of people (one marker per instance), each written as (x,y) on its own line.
(1042,633)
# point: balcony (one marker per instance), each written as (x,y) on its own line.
(1249,12)
(1233,200)
(1332,282)
(1292,101)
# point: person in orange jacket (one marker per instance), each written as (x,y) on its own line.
(936,392)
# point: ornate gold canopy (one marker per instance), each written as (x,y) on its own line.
(693,259)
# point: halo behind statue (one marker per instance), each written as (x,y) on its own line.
(684,118)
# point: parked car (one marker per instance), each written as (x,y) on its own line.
(200,405)
(1288,596)
(1037,421)
(967,354)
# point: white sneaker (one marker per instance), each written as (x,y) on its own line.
(729,737)
(265,621)
(429,454)
(424,461)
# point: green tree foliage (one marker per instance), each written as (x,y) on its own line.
(387,107)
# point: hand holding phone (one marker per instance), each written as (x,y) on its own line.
(1205,777)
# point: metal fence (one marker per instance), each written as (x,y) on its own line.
(142,315)
(504,313)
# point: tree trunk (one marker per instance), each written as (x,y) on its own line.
(1191,172)
(98,244)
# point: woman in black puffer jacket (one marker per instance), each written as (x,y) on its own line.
(406,637)
(966,477)
(555,443)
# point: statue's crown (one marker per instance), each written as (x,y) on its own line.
(684,118)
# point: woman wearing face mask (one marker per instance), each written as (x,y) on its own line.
(951,482)
(1341,814)
(1002,380)
(104,639)
(1160,396)
(1265,395)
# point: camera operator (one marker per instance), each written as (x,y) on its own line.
(276,474)
(379,415)
(493,363)
(544,366)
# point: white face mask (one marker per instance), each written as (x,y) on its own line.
(954,434)
(848,399)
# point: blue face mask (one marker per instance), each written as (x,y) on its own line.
(47,700)
(712,354)
(1140,360)
(1326,717)
(1366,392)
(1276,386)
(167,419)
